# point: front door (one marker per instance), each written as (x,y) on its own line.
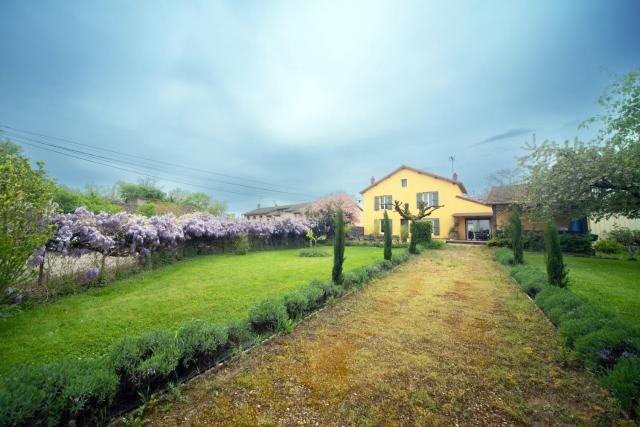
(478,229)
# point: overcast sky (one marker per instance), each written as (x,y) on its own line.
(303,97)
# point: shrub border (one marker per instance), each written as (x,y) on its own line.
(603,344)
(148,364)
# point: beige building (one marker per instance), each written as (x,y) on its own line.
(296,210)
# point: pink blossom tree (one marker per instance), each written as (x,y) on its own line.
(324,210)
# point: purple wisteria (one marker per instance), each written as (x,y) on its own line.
(126,234)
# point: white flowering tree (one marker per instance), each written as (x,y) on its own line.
(596,179)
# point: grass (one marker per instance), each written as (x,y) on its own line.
(218,288)
(611,285)
(447,339)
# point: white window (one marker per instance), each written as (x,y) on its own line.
(382,202)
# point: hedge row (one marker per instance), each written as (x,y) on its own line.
(534,241)
(603,343)
(90,391)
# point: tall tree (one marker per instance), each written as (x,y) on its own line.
(386,227)
(598,178)
(25,205)
(338,247)
(515,225)
(556,271)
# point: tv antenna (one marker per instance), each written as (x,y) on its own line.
(452,159)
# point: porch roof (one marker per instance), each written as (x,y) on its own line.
(473,214)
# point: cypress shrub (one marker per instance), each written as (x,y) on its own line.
(338,247)
(413,243)
(556,272)
(515,224)
(387,236)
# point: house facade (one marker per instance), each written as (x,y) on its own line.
(458,218)
(296,210)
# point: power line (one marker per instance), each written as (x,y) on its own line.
(137,171)
(137,165)
(69,141)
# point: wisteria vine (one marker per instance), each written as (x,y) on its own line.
(124,234)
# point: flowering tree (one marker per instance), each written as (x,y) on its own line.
(324,211)
(599,178)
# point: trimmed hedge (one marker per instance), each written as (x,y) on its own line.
(89,391)
(534,241)
(603,343)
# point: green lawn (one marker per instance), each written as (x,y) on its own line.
(613,285)
(218,288)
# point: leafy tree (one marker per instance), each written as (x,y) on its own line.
(517,243)
(25,205)
(147,209)
(69,199)
(595,179)
(338,247)
(556,271)
(145,190)
(386,224)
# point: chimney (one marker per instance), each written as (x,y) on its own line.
(455,177)
(373,180)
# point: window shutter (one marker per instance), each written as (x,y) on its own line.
(435,199)
(436,226)
(418,199)
(376,203)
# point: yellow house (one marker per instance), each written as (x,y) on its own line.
(458,218)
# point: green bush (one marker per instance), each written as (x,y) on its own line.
(296,304)
(530,279)
(499,242)
(624,381)
(433,244)
(385,265)
(338,247)
(147,209)
(602,348)
(201,343)
(504,256)
(49,394)
(421,231)
(241,245)
(312,253)
(556,272)
(238,332)
(269,315)
(555,302)
(630,239)
(386,226)
(609,247)
(533,240)
(147,360)
(576,243)
(515,228)
(582,321)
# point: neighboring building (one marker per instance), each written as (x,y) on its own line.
(296,210)
(502,198)
(602,227)
(459,218)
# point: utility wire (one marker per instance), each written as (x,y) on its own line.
(137,171)
(137,165)
(40,135)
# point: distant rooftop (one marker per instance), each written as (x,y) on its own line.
(505,194)
(278,209)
